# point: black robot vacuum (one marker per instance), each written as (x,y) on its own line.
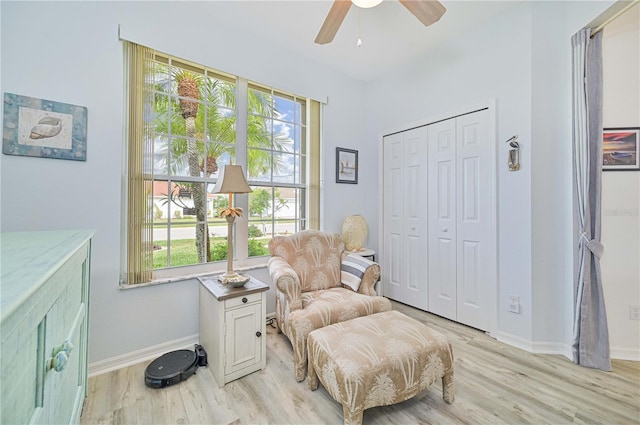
(174,367)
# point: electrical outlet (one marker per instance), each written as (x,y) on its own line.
(514,304)
(634,312)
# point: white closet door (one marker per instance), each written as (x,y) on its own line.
(442,218)
(475,254)
(392,264)
(416,288)
(405,218)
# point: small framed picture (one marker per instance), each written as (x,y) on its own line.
(620,149)
(44,128)
(346,166)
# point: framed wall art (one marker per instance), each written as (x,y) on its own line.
(44,128)
(620,149)
(346,166)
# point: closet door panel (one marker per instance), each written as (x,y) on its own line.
(392,264)
(442,219)
(415,218)
(474,258)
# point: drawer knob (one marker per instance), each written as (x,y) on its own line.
(258,334)
(60,356)
(244,300)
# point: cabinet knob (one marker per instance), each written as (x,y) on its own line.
(244,300)
(258,334)
(445,230)
(60,356)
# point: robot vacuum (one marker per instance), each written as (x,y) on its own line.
(174,367)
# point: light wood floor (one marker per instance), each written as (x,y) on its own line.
(495,384)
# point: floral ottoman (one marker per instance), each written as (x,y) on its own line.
(378,360)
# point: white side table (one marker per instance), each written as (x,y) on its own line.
(366,253)
(233,327)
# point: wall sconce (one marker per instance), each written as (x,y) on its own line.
(514,153)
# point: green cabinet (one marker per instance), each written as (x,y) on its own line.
(44,296)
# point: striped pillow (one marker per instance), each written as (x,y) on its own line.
(352,270)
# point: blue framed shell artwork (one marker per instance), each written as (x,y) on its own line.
(44,128)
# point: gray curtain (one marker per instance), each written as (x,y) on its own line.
(590,332)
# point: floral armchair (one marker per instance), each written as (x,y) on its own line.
(306,269)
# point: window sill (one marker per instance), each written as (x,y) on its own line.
(182,278)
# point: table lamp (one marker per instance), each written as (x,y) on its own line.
(230,180)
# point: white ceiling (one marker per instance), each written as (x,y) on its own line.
(391,35)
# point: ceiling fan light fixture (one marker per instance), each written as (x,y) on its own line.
(366,4)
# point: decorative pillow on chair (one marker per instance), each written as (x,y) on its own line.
(352,270)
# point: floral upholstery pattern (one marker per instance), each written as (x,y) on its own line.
(305,268)
(378,360)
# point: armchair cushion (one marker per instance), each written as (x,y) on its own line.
(314,256)
(352,270)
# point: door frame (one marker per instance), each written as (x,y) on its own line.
(490,106)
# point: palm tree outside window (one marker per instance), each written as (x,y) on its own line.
(190,116)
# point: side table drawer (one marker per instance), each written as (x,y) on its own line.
(242,300)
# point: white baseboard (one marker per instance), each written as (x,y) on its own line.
(514,341)
(552,348)
(134,357)
(618,353)
(535,347)
(625,354)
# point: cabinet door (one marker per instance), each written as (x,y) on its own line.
(63,392)
(243,338)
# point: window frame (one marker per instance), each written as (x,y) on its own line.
(241,258)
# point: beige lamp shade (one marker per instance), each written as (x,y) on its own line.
(231,180)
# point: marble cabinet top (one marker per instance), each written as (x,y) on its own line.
(28,259)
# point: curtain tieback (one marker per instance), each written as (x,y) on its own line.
(594,246)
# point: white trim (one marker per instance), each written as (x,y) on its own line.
(514,341)
(553,348)
(202,271)
(138,356)
(623,353)
(489,104)
(557,348)
(380,248)
(618,353)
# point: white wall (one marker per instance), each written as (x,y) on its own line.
(621,190)
(492,61)
(70,52)
(552,241)
(521,58)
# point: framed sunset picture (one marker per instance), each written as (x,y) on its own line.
(620,149)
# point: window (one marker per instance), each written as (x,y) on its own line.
(187,121)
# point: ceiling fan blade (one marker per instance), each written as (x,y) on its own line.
(333,21)
(427,11)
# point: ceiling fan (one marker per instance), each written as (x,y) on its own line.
(427,12)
